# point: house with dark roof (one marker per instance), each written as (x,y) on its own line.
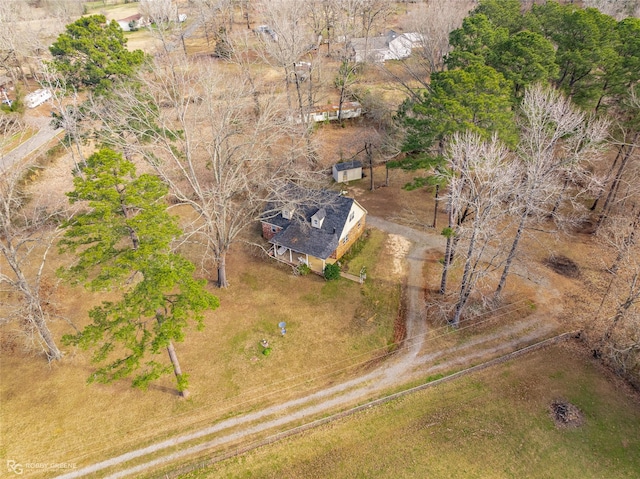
(391,46)
(314,233)
(347,171)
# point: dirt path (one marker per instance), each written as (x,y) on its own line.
(404,366)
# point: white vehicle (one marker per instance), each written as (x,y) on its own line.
(37,98)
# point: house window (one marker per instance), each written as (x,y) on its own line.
(344,176)
(346,238)
(274,229)
(353,213)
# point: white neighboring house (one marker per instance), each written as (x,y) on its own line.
(133,22)
(350,109)
(37,98)
(392,46)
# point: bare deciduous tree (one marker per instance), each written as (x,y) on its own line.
(68,112)
(25,35)
(220,155)
(66,10)
(624,168)
(287,43)
(373,14)
(433,21)
(615,327)
(557,143)
(481,179)
(158,11)
(27,232)
(321,18)
(618,9)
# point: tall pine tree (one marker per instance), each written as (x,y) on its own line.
(122,240)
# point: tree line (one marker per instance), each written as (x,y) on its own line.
(517,127)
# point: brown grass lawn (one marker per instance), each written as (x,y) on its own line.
(112,11)
(492,424)
(50,415)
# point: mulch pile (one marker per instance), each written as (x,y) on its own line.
(566,415)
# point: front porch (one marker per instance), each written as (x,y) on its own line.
(295,258)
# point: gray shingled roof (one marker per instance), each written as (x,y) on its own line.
(374,43)
(348,165)
(298,234)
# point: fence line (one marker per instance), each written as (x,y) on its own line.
(376,402)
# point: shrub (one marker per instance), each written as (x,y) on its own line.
(303,269)
(331,271)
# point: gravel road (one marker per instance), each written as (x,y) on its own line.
(45,134)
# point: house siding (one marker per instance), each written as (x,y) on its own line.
(268,230)
(354,234)
(358,214)
(315,264)
(330,113)
(399,48)
(389,47)
(347,175)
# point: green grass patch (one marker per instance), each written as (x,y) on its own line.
(330,291)
(376,314)
(495,423)
(364,252)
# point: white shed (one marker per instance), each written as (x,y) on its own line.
(348,171)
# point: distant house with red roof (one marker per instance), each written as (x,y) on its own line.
(133,22)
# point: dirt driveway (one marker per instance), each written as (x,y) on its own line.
(410,363)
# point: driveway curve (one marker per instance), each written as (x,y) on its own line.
(406,364)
